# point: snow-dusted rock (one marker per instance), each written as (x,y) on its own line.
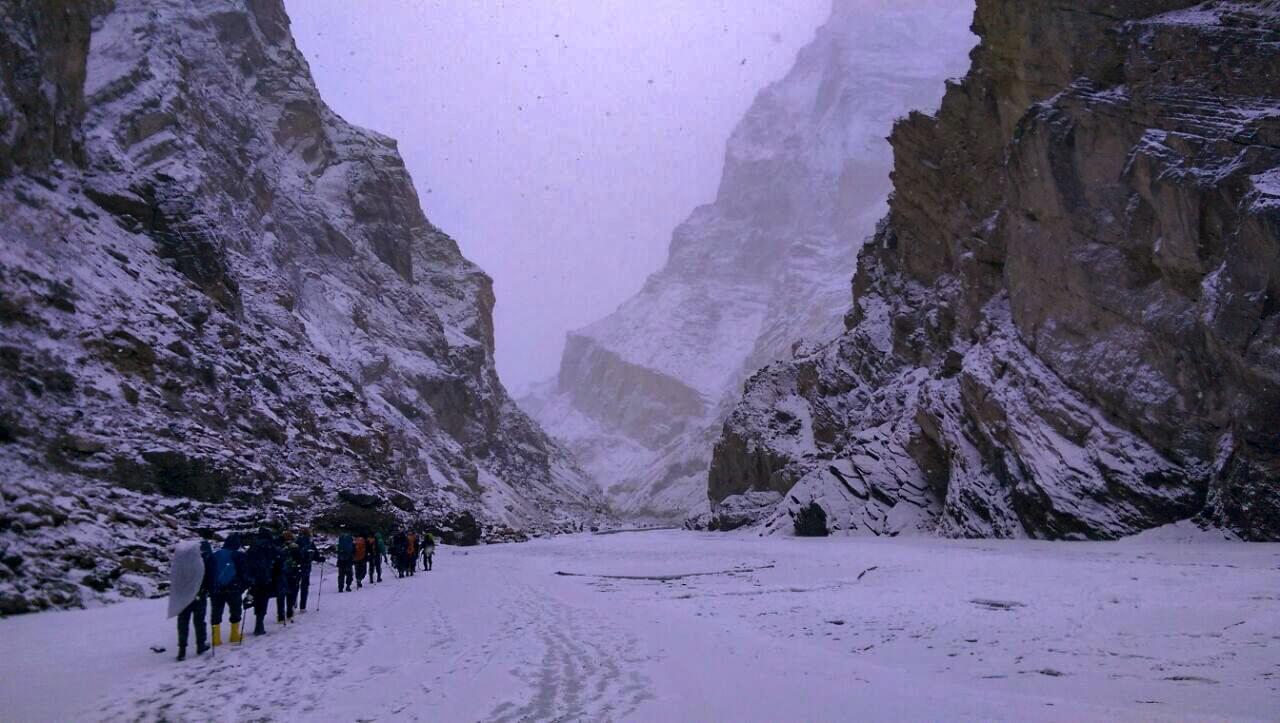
(215,292)
(642,393)
(1067,326)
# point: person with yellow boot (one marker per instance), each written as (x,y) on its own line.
(227,588)
(263,575)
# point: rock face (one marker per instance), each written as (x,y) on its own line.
(219,303)
(642,394)
(1069,324)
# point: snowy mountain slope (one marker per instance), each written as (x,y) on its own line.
(222,302)
(641,394)
(1067,327)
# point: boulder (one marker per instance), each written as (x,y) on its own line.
(461,529)
(743,510)
(366,498)
(402,501)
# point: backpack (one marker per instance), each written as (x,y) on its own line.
(292,566)
(261,561)
(224,569)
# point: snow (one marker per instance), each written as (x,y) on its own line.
(779,629)
(1210,14)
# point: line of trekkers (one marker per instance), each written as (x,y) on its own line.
(363,555)
(274,567)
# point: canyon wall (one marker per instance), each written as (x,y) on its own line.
(642,393)
(1068,325)
(222,304)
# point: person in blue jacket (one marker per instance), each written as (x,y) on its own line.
(346,561)
(226,587)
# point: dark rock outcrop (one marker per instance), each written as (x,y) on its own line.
(1068,326)
(220,302)
(43,46)
(811,521)
(462,529)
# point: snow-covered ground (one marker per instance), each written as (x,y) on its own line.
(768,629)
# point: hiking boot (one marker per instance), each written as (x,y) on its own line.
(217,634)
(182,653)
(201,648)
(237,634)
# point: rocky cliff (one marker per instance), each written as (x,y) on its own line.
(221,303)
(642,393)
(1068,326)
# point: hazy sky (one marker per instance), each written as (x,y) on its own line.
(559,141)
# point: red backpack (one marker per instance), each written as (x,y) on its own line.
(359,556)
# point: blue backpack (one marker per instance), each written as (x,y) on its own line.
(224,569)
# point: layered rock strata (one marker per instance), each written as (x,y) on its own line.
(1068,325)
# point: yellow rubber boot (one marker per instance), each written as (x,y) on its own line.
(236,636)
(216,639)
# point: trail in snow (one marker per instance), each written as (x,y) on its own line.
(785,629)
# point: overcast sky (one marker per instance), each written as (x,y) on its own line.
(559,141)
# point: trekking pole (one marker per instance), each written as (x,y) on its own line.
(320,589)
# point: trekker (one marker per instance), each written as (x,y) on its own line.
(411,552)
(346,561)
(399,547)
(428,551)
(264,582)
(379,555)
(291,562)
(371,554)
(361,559)
(190,577)
(230,578)
(308,554)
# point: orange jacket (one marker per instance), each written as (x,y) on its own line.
(413,543)
(360,550)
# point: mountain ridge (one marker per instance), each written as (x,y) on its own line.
(224,304)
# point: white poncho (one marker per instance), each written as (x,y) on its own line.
(185,575)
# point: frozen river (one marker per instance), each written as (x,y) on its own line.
(671,626)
